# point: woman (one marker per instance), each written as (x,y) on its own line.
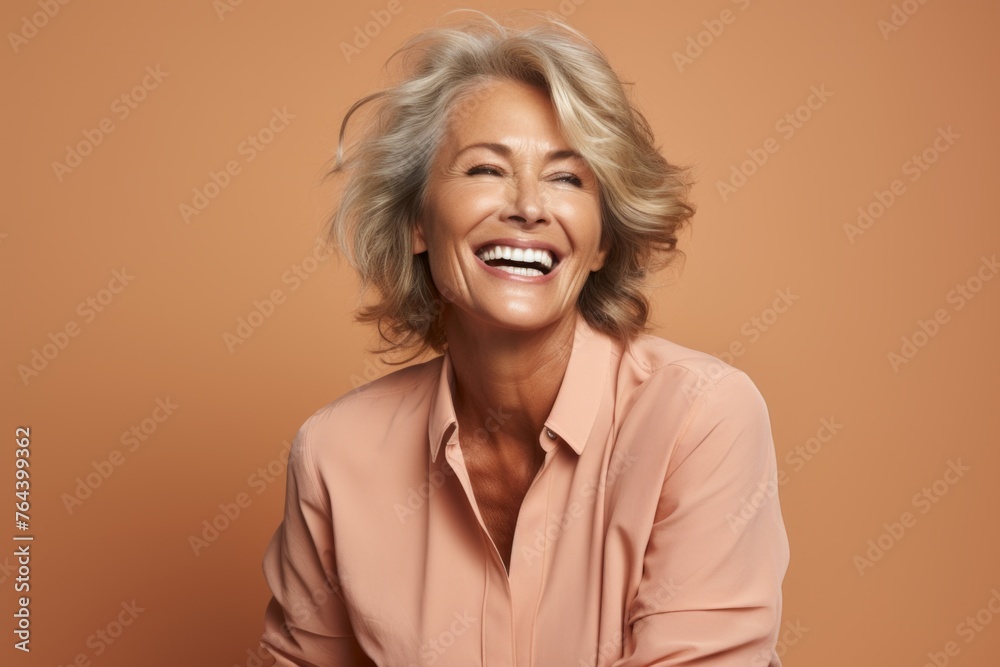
(559,487)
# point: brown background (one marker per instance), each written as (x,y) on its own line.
(162,336)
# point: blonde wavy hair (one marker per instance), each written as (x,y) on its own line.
(643,198)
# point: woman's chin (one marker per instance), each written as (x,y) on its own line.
(523,320)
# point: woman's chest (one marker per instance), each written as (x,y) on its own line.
(424,585)
(499,486)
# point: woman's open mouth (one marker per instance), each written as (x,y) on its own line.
(518,261)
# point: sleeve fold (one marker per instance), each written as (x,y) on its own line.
(306,623)
(710,593)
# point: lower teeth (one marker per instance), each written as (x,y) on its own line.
(520,270)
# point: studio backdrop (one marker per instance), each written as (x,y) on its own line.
(172,315)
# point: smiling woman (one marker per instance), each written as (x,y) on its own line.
(558,486)
(503,188)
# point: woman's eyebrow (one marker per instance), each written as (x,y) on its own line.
(506,151)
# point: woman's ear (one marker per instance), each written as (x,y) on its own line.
(598,264)
(601,257)
(417,236)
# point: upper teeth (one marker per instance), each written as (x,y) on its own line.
(543,257)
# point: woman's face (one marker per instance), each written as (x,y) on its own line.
(504,177)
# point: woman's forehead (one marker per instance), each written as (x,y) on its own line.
(508,117)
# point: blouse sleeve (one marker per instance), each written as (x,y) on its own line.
(306,622)
(710,593)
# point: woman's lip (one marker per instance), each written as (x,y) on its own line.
(500,273)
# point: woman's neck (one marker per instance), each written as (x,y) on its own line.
(506,381)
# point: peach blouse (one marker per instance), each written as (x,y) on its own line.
(651,535)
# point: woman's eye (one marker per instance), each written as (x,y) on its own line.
(484,169)
(570,178)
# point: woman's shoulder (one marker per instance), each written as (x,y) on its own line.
(662,372)
(655,357)
(378,398)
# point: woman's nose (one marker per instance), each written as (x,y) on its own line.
(527,202)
